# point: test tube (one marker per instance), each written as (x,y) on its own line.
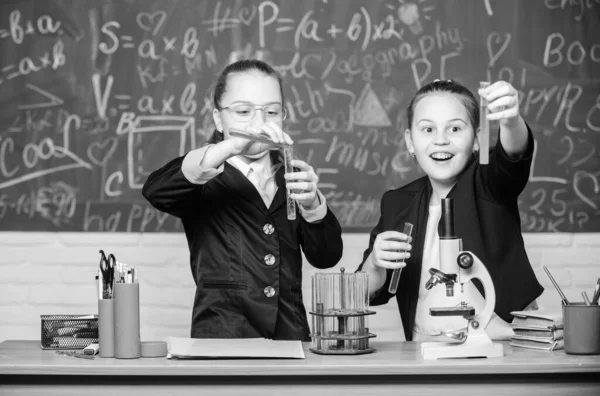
(484,127)
(264,138)
(288,152)
(396,273)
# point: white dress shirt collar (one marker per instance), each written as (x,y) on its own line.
(261,165)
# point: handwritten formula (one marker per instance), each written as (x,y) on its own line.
(96,95)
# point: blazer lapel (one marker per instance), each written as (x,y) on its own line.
(239,184)
(417,213)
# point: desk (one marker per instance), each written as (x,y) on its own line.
(395,368)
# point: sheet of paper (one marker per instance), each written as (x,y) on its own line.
(233,348)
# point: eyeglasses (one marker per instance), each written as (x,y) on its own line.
(244,112)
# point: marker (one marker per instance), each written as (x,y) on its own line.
(91,349)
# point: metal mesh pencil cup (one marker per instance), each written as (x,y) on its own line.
(68,331)
(340,306)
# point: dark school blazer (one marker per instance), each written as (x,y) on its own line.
(486,217)
(245,258)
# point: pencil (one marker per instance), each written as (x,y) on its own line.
(562,295)
(585,298)
(596,293)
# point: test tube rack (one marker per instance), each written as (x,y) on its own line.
(339,315)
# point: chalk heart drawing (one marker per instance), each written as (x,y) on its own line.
(494,39)
(247,15)
(100,152)
(151,22)
(591,181)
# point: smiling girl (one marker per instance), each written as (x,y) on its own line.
(442,137)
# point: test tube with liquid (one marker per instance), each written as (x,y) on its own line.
(288,152)
(484,127)
(398,271)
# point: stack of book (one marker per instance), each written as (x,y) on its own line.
(537,330)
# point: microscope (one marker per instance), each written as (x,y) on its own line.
(459,267)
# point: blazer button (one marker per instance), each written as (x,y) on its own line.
(268,229)
(269,291)
(269,259)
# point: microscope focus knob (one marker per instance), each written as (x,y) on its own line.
(465,260)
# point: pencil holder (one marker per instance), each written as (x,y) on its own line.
(106,328)
(127,320)
(582,329)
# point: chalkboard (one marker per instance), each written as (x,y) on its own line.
(95,95)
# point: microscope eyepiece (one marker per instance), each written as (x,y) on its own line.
(447,221)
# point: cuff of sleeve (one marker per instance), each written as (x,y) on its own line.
(193,172)
(527,155)
(382,295)
(317,214)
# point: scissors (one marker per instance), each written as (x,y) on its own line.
(107,268)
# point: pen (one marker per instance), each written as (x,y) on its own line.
(64,331)
(86,334)
(585,298)
(562,295)
(596,293)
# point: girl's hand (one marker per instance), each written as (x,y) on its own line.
(268,130)
(303,185)
(503,102)
(276,134)
(389,248)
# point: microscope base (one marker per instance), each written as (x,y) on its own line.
(449,350)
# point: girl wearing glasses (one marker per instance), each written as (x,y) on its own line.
(231,198)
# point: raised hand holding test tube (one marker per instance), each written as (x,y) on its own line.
(484,127)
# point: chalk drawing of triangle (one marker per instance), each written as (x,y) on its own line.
(368,110)
(50,100)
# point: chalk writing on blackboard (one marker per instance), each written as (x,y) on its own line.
(96,95)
